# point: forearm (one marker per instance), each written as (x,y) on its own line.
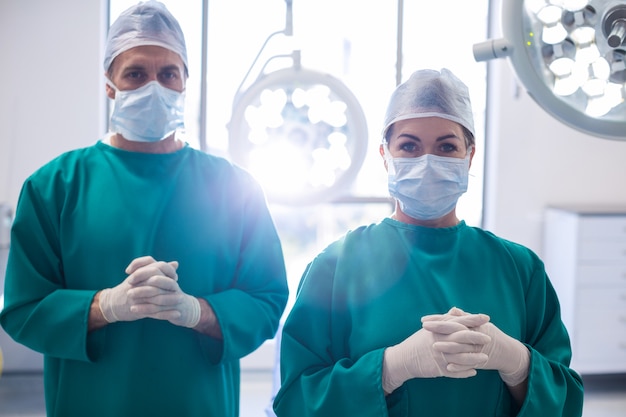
(96,319)
(517,381)
(208,323)
(518,392)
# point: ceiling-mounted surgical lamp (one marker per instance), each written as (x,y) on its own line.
(571,57)
(301,133)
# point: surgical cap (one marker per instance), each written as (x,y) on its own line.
(429,93)
(146,23)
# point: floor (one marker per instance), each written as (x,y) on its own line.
(21,395)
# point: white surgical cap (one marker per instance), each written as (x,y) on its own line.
(146,23)
(429,93)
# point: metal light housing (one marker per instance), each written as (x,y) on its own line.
(301,133)
(570,55)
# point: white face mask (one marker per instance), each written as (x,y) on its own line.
(427,187)
(149,113)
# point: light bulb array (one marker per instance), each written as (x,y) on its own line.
(583,50)
(301,133)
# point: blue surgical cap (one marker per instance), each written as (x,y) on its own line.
(146,23)
(429,93)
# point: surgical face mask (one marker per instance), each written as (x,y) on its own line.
(427,187)
(149,113)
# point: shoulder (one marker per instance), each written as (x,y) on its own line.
(65,164)
(220,168)
(499,246)
(355,242)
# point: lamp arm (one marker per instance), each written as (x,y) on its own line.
(289,18)
(294,55)
(491,49)
(288,31)
(256,58)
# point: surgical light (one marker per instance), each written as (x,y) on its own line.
(301,133)
(570,56)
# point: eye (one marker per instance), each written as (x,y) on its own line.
(168,77)
(409,147)
(449,148)
(135,75)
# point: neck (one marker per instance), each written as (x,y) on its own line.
(167,145)
(449,220)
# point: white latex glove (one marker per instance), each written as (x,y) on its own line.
(146,266)
(457,315)
(505,354)
(120,303)
(166,301)
(415,357)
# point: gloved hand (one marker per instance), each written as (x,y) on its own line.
(457,315)
(164,300)
(120,303)
(415,357)
(505,354)
(144,267)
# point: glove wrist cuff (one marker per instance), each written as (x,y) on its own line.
(521,373)
(196,312)
(105,306)
(394,372)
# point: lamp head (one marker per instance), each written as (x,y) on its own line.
(570,57)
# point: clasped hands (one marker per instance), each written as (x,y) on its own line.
(455,345)
(150,290)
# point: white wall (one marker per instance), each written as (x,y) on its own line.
(51,78)
(53,100)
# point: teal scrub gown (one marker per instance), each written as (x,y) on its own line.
(81,219)
(369,291)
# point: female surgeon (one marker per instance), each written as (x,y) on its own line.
(421,314)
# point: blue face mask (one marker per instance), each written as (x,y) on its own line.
(149,113)
(427,187)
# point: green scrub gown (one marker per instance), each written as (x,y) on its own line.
(369,291)
(81,219)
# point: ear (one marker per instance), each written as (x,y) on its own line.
(472,155)
(110,91)
(381,150)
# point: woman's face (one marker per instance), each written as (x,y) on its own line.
(413,138)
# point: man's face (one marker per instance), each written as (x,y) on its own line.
(142,64)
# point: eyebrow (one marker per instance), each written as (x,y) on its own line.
(171,67)
(140,67)
(134,67)
(417,139)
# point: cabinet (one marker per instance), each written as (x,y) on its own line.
(585,257)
